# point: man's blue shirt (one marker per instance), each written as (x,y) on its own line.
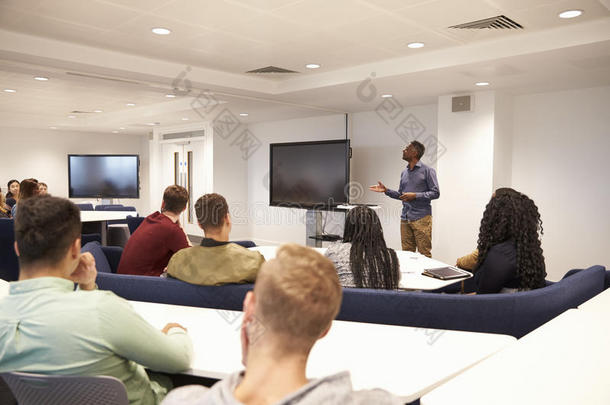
(421,181)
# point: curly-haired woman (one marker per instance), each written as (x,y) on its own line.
(509,253)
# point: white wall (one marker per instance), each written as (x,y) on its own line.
(503,140)
(561,150)
(465,174)
(42,154)
(377,155)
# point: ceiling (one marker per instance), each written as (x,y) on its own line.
(101,55)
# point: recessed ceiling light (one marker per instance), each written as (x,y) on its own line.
(570,13)
(386,96)
(122,128)
(10,91)
(115,132)
(170,95)
(130,104)
(98,111)
(41,78)
(53,127)
(415,45)
(482,84)
(243,114)
(185,119)
(161,31)
(312,66)
(71,116)
(151,123)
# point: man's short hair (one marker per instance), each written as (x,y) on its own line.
(297,296)
(211,210)
(28,188)
(420,148)
(45,228)
(175,198)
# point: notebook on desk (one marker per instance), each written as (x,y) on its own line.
(446,273)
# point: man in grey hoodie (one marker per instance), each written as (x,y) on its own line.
(295,299)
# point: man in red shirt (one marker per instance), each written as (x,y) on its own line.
(157,238)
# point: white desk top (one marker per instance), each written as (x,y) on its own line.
(412,266)
(599,303)
(565,361)
(406,361)
(94,216)
(3,288)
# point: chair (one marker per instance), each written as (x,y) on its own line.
(133,223)
(117,230)
(85,207)
(36,389)
(244,243)
(9,265)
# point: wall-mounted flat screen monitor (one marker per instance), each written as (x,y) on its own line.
(309,174)
(104,176)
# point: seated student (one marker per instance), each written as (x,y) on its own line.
(509,254)
(47,327)
(28,188)
(295,299)
(158,237)
(362,259)
(13,193)
(216,261)
(5,210)
(43,189)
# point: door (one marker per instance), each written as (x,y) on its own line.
(184,165)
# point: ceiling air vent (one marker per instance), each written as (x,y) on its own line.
(498,22)
(271,69)
(81,112)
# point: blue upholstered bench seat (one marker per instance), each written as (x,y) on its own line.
(512,314)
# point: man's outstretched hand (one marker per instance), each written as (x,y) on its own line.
(378,188)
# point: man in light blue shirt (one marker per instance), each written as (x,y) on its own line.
(46,327)
(418,186)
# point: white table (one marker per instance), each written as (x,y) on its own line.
(102,217)
(412,265)
(599,303)
(565,361)
(4,285)
(406,361)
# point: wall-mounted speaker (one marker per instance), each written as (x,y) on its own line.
(460,103)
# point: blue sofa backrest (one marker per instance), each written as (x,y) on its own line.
(511,314)
(173,291)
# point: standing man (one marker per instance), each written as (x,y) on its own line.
(418,186)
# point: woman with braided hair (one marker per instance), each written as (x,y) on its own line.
(363,260)
(509,254)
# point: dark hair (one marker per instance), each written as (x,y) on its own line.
(28,188)
(45,228)
(373,265)
(9,194)
(420,148)
(175,198)
(211,209)
(511,215)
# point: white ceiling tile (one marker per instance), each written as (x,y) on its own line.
(376,30)
(88,13)
(392,5)
(140,5)
(265,5)
(546,16)
(142,26)
(440,14)
(269,28)
(324,14)
(208,13)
